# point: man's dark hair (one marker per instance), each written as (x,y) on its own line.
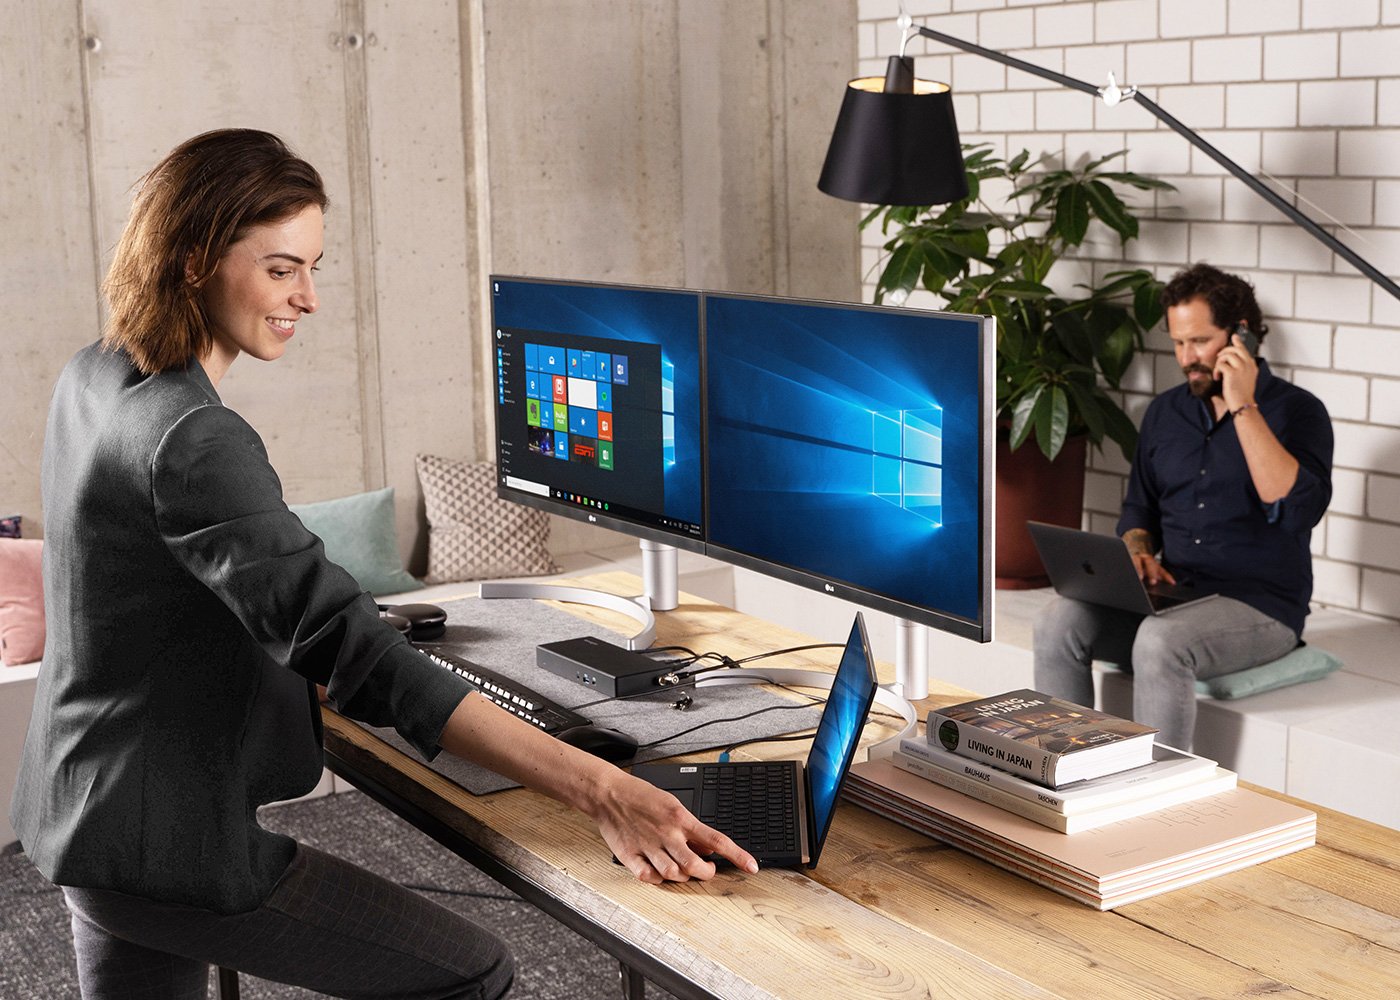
(1230,298)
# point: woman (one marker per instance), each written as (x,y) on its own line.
(190,616)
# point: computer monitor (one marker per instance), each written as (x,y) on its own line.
(850,449)
(598,404)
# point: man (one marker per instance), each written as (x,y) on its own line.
(1233,469)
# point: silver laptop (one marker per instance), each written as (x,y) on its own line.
(1098,569)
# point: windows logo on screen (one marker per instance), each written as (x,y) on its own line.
(906,465)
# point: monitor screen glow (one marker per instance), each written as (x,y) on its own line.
(849,450)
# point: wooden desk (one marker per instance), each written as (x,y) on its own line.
(889,913)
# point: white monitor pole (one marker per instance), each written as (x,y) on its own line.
(911,659)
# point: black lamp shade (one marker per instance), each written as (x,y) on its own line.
(895,148)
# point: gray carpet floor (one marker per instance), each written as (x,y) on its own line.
(553,963)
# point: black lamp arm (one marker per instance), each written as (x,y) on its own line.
(1256,185)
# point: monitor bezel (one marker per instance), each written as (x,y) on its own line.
(976,630)
(654,533)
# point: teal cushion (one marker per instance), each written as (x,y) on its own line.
(1306,663)
(358,533)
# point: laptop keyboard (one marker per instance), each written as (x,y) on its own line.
(755,803)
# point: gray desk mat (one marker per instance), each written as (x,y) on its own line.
(502,635)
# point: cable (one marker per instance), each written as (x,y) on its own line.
(715,722)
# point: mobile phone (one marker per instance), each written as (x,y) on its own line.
(1251,342)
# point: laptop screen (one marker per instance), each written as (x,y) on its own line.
(838,733)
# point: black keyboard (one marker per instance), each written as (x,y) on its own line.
(755,803)
(510,694)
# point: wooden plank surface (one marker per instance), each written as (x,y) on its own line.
(891,913)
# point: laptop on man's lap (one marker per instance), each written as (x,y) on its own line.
(1098,569)
(780,811)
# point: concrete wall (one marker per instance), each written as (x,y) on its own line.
(1306,92)
(652,141)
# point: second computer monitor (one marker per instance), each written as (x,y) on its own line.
(849,450)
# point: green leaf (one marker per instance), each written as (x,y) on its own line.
(1051,417)
(1118,427)
(1089,168)
(1072,215)
(902,271)
(1021,417)
(1147,304)
(1116,352)
(874,214)
(1086,401)
(1020,290)
(1111,210)
(1139,181)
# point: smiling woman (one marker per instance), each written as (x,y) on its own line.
(191,615)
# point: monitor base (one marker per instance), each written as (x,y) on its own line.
(636,608)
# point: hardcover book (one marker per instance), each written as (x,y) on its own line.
(1218,780)
(1050,741)
(1170,768)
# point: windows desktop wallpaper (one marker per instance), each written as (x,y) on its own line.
(845,442)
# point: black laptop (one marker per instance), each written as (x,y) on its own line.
(780,811)
(1099,569)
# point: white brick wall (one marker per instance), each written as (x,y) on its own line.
(1307,90)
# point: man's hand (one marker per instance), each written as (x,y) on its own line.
(1238,373)
(656,837)
(1142,548)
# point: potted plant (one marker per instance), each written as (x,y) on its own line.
(1058,353)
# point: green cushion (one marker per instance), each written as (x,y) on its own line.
(1306,663)
(358,533)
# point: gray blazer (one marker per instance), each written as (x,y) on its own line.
(188,614)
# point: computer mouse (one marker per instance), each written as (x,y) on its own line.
(610,744)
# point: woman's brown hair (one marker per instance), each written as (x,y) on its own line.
(196,203)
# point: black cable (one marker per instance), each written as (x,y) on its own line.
(792,649)
(715,722)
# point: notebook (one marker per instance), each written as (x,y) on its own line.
(1098,569)
(780,811)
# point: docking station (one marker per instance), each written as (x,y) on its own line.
(615,672)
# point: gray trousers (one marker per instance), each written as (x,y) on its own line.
(328,925)
(1166,653)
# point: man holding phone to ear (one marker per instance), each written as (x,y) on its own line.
(1232,471)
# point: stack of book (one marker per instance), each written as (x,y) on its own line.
(1006,778)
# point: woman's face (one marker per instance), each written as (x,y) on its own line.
(262,286)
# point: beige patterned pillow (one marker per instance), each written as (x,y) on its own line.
(474,535)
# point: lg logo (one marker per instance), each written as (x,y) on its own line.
(828,588)
(592,519)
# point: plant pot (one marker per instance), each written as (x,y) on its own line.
(1030,487)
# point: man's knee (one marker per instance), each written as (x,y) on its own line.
(1161,647)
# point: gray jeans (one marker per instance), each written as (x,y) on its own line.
(328,925)
(1166,653)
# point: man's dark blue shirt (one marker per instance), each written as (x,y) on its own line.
(1191,489)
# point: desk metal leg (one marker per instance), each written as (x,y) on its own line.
(634,986)
(225,984)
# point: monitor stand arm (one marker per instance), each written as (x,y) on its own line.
(659,580)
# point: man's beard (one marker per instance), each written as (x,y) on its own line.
(1202,388)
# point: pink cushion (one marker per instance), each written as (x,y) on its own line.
(21,600)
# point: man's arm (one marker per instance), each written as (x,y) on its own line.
(1272,469)
(647,829)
